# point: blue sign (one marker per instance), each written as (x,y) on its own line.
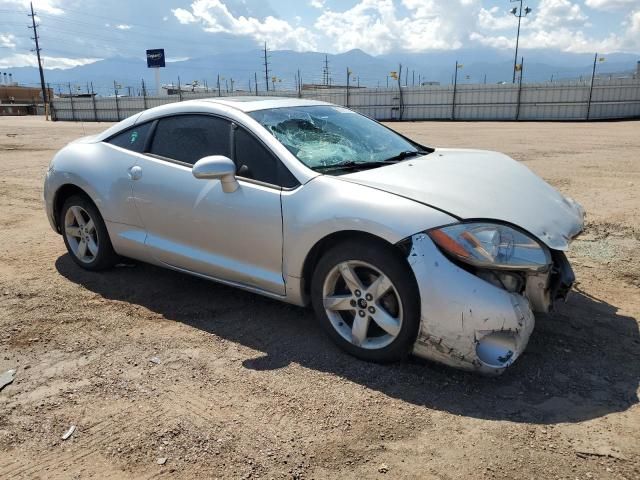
(155,58)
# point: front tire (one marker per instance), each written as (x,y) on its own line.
(367,299)
(85,234)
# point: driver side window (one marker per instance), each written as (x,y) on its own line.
(255,161)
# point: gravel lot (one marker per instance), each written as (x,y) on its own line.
(150,364)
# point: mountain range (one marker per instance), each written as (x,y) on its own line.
(478,65)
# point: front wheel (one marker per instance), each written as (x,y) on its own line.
(85,234)
(367,299)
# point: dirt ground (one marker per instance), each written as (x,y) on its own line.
(151,364)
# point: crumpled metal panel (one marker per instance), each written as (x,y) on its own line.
(460,309)
(477,184)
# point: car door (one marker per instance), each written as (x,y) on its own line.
(192,224)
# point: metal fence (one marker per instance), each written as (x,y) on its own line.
(605,99)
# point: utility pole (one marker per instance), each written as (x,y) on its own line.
(255,77)
(347,96)
(326,76)
(455,85)
(35,37)
(266,67)
(219,93)
(518,12)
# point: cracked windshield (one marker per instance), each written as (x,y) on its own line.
(329,138)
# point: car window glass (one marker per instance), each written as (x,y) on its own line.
(322,136)
(188,138)
(133,138)
(256,162)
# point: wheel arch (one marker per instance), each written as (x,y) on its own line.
(65,191)
(333,239)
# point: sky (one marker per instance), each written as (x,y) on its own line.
(78,32)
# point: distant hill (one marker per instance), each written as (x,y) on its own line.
(497,65)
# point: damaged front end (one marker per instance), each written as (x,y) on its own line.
(478,299)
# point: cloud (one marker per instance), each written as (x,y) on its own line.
(7,40)
(216,18)
(177,59)
(30,60)
(558,25)
(123,26)
(611,4)
(317,3)
(375,26)
(39,6)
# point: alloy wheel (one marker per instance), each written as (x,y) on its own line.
(362,304)
(82,236)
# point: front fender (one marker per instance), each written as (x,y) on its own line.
(326,205)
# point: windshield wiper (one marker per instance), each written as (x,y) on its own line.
(405,154)
(349,165)
(352,165)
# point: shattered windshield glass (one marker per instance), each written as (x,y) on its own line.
(329,137)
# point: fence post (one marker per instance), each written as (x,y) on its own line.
(52,110)
(47,106)
(93,98)
(73,111)
(144,95)
(115,89)
(401,110)
(520,88)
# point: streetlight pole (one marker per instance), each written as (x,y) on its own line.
(455,85)
(518,12)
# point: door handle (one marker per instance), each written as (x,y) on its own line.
(135,172)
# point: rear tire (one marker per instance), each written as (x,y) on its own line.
(366,298)
(85,234)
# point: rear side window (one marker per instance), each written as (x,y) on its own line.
(133,138)
(255,161)
(188,138)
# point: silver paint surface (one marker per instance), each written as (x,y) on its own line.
(258,237)
(477,184)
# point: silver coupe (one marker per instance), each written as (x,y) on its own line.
(400,247)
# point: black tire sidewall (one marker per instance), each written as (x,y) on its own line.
(390,262)
(106,256)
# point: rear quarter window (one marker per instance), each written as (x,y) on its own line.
(133,138)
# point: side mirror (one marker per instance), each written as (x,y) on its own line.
(217,167)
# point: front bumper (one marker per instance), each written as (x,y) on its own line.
(466,322)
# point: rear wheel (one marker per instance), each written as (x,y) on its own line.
(367,299)
(85,234)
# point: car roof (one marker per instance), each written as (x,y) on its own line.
(248,103)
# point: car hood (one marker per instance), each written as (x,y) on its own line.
(476,184)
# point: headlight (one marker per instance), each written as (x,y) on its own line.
(491,245)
